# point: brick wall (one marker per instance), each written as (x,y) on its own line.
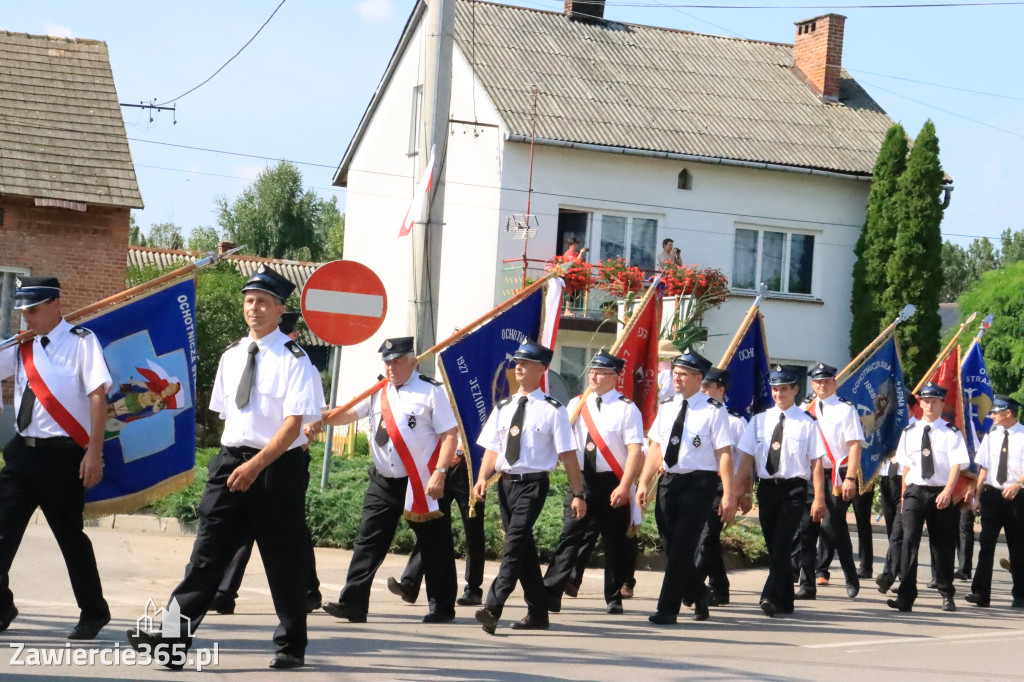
(818,53)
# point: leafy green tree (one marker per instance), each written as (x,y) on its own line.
(165,236)
(982,256)
(999,292)
(334,222)
(877,242)
(276,218)
(914,270)
(135,235)
(1011,246)
(955,270)
(219,323)
(203,238)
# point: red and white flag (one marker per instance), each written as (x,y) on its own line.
(638,379)
(420,196)
(552,316)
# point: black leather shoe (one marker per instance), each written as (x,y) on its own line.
(151,644)
(471,598)
(286,661)
(898,605)
(852,590)
(572,589)
(700,607)
(961,575)
(614,608)
(9,614)
(806,593)
(1018,603)
(933,585)
(314,602)
(528,622)
(342,611)
(488,620)
(884,582)
(224,608)
(88,628)
(403,590)
(947,603)
(767,608)
(438,617)
(662,618)
(554,600)
(864,573)
(976,599)
(718,599)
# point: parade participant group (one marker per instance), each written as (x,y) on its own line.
(698,465)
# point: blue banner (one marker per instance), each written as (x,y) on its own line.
(977,398)
(479,369)
(748,392)
(149,447)
(876,389)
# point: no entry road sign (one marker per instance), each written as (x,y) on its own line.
(344,302)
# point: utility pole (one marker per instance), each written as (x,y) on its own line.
(427,231)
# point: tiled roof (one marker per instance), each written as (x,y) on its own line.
(663,90)
(61,131)
(296,272)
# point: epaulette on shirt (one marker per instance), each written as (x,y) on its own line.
(80,331)
(714,402)
(667,400)
(736,413)
(909,426)
(232,345)
(430,380)
(553,401)
(625,399)
(953,427)
(810,415)
(844,400)
(295,349)
(504,401)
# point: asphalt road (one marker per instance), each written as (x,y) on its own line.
(830,638)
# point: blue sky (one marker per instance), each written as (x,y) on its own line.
(299,90)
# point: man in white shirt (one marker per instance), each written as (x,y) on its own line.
(890,486)
(786,445)
(60,388)
(1000,459)
(931,453)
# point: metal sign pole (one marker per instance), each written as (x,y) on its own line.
(329,432)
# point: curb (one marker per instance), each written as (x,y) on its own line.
(139,523)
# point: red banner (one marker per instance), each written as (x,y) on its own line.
(639,377)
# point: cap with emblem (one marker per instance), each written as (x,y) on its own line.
(691,359)
(823,371)
(605,360)
(269,280)
(782,376)
(1004,402)
(31,291)
(392,348)
(288,322)
(717,376)
(932,390)
(667,350)
(531,350)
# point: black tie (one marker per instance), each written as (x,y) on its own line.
(28,398)
(1004,455)
(672,452)
(927,462)
(245,385)
(590,450)
(381,437)
(771,464)
(515,432)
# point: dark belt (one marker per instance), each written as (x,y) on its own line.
(780,481)
(668,475)
(928,488)
(525,478)
(33,442)
(242,452)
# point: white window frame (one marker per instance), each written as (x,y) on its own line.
(595,223)
(17,270)
(415,120)
(759,254)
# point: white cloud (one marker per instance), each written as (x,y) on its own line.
(57,30)
(374,10)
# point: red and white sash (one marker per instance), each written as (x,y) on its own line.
(636,514)
(52,393)
(418,505)
(836,478)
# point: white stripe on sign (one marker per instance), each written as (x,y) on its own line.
(344,303)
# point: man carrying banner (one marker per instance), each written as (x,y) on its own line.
(413,447)
(786,445)
(890,486)
(609,438)
(60,385)
(841,434)
(265,389)
(932,453)
(1000,459)
(691,440)
(524,438)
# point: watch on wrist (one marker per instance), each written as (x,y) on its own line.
(851,478)
(442,470)
(580,495)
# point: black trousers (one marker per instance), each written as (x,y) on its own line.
(383,505)
(520,503)
(891,489)
(456,488)
(862,503)
(965,546)
(805,542)
(835,534)
(919,508)
(998,513)
(227,591)
(273,511)
(611,522)
(684,504)
(782,503)
(46,476)
(631,549)
(709,552)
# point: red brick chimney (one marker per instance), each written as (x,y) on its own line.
(818,53)
(585,8)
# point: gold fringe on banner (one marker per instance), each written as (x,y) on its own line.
(420,518)
(126,504)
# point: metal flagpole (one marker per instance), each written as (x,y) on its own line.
(329,432)
(747,319)
(905,314)
(944,354)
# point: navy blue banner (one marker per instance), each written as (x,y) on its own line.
(876,389)
(748,392)
(149,447)
(977,399)
(479,369)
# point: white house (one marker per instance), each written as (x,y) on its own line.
(754,157)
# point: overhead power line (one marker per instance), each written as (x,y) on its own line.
(914,5)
